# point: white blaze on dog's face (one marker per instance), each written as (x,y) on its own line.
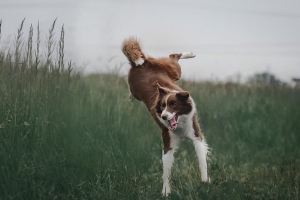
(172,104)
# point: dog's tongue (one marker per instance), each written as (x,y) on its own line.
(173,122)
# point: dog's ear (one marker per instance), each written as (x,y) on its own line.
(183,96)
(161,90)
(175,56)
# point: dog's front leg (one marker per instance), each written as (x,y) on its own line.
(167,159)
(170,145)
(202,151)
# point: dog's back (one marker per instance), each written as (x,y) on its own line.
(146,72)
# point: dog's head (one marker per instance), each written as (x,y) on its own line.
(172,104)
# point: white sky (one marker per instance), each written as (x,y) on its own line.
(228,37)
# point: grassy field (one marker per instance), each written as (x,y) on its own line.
(65,137)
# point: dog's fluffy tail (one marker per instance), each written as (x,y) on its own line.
(132,50)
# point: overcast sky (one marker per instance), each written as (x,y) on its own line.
(228,37)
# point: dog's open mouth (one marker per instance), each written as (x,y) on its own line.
(173,122)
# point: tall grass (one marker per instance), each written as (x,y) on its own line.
(64,137)
(32,94)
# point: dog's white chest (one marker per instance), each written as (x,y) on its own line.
(184,128)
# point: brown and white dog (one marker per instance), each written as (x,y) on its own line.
(153,82)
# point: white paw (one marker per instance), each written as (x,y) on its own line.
(131,97)
(186,55)
(205,180)
(166,190)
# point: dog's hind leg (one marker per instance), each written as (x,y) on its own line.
(175,71)
(170,146)
(131,97)
(186,55)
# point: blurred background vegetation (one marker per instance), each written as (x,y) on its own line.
(68,136)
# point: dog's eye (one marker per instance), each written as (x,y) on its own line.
(172,105)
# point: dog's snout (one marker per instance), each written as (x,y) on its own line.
(164,117)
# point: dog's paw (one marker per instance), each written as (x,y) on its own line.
(131,97)
(206,180)
(166,190)
(186,55)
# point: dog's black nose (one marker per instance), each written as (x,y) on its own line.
(164,117)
